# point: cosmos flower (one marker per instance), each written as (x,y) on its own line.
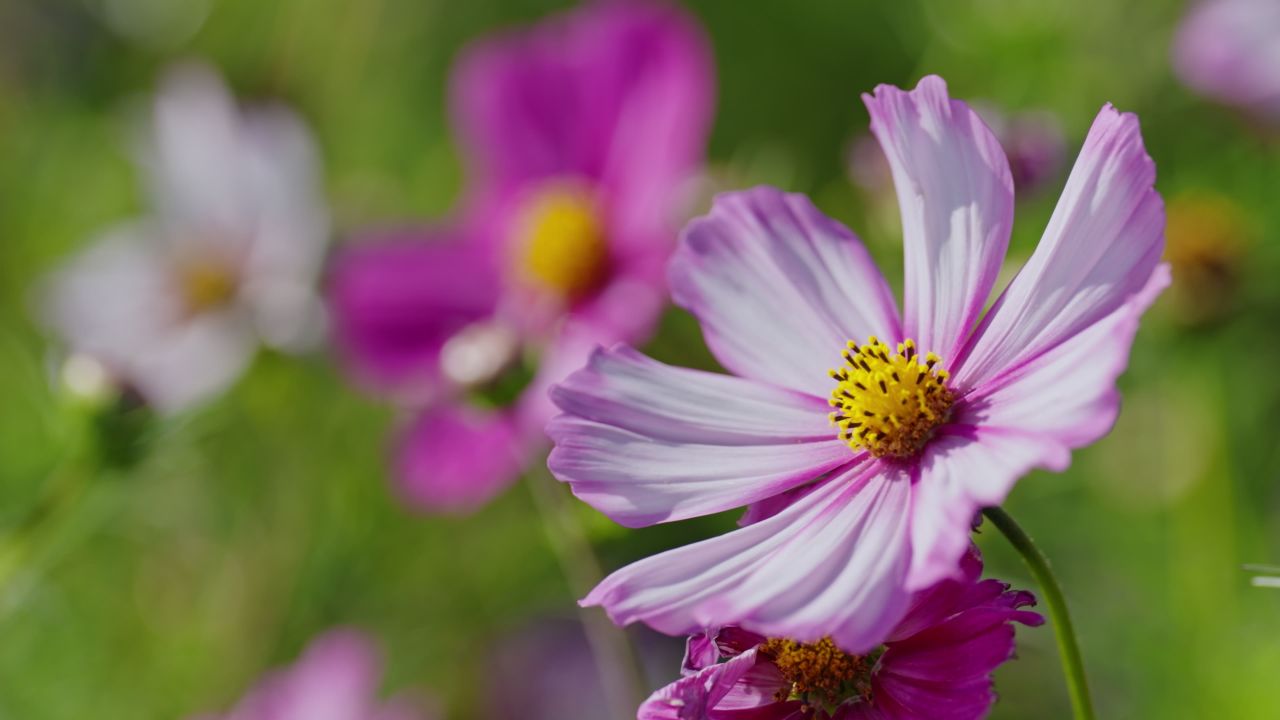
(1229,50)
(862,442)
(577,137)
(336,678)
(936,663)
(175,304)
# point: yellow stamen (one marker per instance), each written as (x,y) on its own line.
(206,286)
(563,240)
(819,674)
(888,402)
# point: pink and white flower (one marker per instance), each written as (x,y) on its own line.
(336,678)
(937,412)
(936,663)
(175,304)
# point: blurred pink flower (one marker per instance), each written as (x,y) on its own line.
(577,136)
(176,303)
(336,678)
(936,663)
(851,510)
(1229,50)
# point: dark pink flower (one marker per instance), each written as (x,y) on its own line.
(935,665)
(336,678)
(578,136)
(862,481)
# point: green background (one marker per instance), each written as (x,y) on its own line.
(170,571)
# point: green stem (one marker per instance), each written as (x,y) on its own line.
(617,662)
(1051,591)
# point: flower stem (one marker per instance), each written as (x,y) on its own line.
(1068,648)
(617,662)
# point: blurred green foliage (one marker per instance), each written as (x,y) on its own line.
(162,584)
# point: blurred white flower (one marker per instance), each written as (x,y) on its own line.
(177,302)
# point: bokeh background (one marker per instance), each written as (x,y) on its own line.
(152,570)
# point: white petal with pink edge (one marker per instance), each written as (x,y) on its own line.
(956,197)
(779,288)
(777,577)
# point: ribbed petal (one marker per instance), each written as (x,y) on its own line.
(830,564)
(694,696)
(1034,417)
(645,442)
(779,288)
(956,197)
(1101,245)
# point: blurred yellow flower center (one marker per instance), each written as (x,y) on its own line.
(206,286)
(564,244)
(819,674)
(889,403)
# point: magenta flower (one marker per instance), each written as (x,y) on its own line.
(176,304)
(862,481)
(578,137)
(336,678)
(936,663)
(1229,50)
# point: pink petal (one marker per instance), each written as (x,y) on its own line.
(1034,417)
(779,288)
(956,196)
(396,300)
(830,564)
(693,697)
(645,442)
(1101,245)
(456,458)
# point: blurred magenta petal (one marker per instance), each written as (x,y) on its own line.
(586,95)
(397,300)
(336,678)
(454,458)
(832,541)
(578,136)
(936,663)
(1229,50)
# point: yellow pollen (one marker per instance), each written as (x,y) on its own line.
(563,240)
(888,402)
(206,286)
(819,674)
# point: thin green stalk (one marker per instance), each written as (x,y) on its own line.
(618,664)
(1051,593)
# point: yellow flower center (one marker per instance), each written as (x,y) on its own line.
(563,240)
(820,674)
(206,286)
(889,403)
